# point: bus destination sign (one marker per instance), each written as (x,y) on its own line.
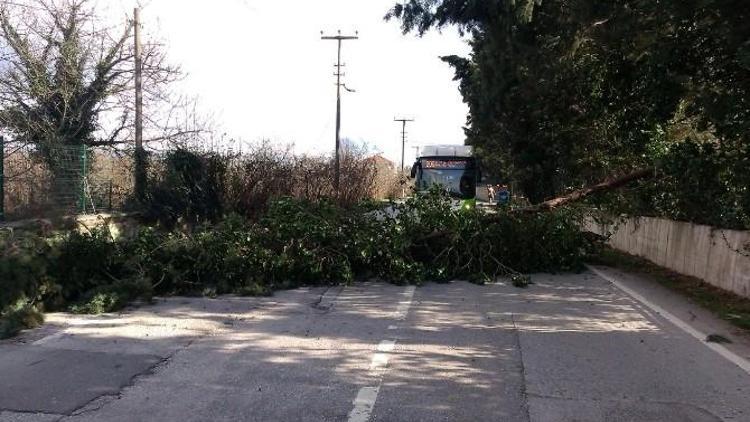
(445,164)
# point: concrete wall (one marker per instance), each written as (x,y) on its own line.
(699,251)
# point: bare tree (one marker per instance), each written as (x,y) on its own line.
(67,78)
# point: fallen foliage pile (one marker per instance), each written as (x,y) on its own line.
(294,243)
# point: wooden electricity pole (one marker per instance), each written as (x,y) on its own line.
(2,178)
(140,153)
(338,38)
(403,137)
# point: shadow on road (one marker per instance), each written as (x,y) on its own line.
(568,348)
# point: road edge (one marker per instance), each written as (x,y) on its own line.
(729,355)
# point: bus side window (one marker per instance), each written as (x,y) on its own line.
(414,170)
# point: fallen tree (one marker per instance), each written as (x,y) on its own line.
(294,242)
(580,194)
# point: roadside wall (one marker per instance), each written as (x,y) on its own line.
(704,252)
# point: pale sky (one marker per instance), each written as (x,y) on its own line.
(260,67)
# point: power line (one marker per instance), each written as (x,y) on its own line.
(339,39)
(403,137)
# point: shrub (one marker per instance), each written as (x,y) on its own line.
(190,188)
(194,187)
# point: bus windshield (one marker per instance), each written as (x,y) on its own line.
(449,179)
(457,177)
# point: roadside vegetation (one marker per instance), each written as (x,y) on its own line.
(642,103)
(293,242)
(566,94)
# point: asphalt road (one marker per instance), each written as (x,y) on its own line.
(569,348)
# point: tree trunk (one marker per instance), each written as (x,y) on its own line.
(580,194)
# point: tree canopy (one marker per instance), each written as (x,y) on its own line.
(67,79)
(564,93)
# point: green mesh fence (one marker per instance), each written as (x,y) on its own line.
(65,180)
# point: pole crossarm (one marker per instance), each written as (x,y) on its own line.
(339,37)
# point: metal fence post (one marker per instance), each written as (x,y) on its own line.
(84,175)
(110,195)
(2,178)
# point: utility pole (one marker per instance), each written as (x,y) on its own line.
(403,137)
(339,39)
(140,153)
(2,178)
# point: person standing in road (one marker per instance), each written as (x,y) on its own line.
(503,195)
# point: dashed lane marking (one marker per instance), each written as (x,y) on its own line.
(363,404)
(380,359)
(403,306)
(367,396)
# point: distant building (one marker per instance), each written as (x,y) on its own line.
(386,179)
(381,162)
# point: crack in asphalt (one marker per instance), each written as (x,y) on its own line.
(327,299)
(99,402)
(524,392)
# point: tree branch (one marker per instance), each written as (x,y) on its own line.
(580,194)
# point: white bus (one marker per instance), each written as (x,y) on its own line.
(453,167)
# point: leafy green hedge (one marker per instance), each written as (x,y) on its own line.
(695,181)
(295,243)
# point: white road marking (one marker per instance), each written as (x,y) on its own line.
(716,347)
(363,404)
(386,345)
(403,307)
(367,396)
(380,360)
